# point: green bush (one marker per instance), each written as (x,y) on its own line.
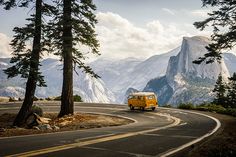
(35,98)
(58,98)
(12,99)
(211,108)
(231,111)
(77,98)
(37,109)
(167,106)
(49,98)
(187,106)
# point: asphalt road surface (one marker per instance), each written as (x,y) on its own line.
(154,133)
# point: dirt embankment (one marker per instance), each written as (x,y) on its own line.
(67,123)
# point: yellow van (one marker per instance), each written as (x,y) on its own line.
(142,100)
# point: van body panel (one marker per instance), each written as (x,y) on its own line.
(143,100)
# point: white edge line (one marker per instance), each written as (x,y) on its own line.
(218,125)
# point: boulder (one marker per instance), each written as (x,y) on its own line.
(35,120)
(54,127)
(44,127)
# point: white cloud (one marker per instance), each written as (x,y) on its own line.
(119,38)
(169,11)
(200,13)
(5,49)
(155,26)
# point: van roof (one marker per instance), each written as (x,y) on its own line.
(142,93)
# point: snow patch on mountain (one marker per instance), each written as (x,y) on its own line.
(12,92)
(90,89)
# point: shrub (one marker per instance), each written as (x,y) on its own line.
(77,98)
(231,111)
(49,98)
(35,98)
(187,106)
(12,99)
(37,109)
(167,106)
(211,108)
(58,98)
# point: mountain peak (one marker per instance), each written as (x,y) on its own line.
(191,49)
(195,38)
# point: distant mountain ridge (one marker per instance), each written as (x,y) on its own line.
(90,89)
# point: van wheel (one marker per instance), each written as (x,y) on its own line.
(131,107)
(153,108)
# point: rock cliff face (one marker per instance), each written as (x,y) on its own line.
(185,81)
(230,62)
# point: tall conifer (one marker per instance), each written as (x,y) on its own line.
(26,61)
(73,30)
(220,91)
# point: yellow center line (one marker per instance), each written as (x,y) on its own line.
(94,141)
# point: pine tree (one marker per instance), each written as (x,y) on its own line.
(75,23)
(231,96)
(25,60)
(220,91)
(223,22)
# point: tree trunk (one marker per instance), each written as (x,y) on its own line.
(34,68)
(67,102)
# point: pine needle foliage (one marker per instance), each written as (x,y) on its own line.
(223,22)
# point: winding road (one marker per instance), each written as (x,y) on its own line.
(159,133)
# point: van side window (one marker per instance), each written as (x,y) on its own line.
(151,97)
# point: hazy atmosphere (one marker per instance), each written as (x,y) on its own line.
(122,78)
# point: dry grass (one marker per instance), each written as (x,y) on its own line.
(66,123)
(4,99)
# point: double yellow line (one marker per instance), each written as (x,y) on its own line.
(176,121)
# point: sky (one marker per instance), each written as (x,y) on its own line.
(129,28)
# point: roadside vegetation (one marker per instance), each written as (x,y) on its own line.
(76,98)
(209,107)
(225,98)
